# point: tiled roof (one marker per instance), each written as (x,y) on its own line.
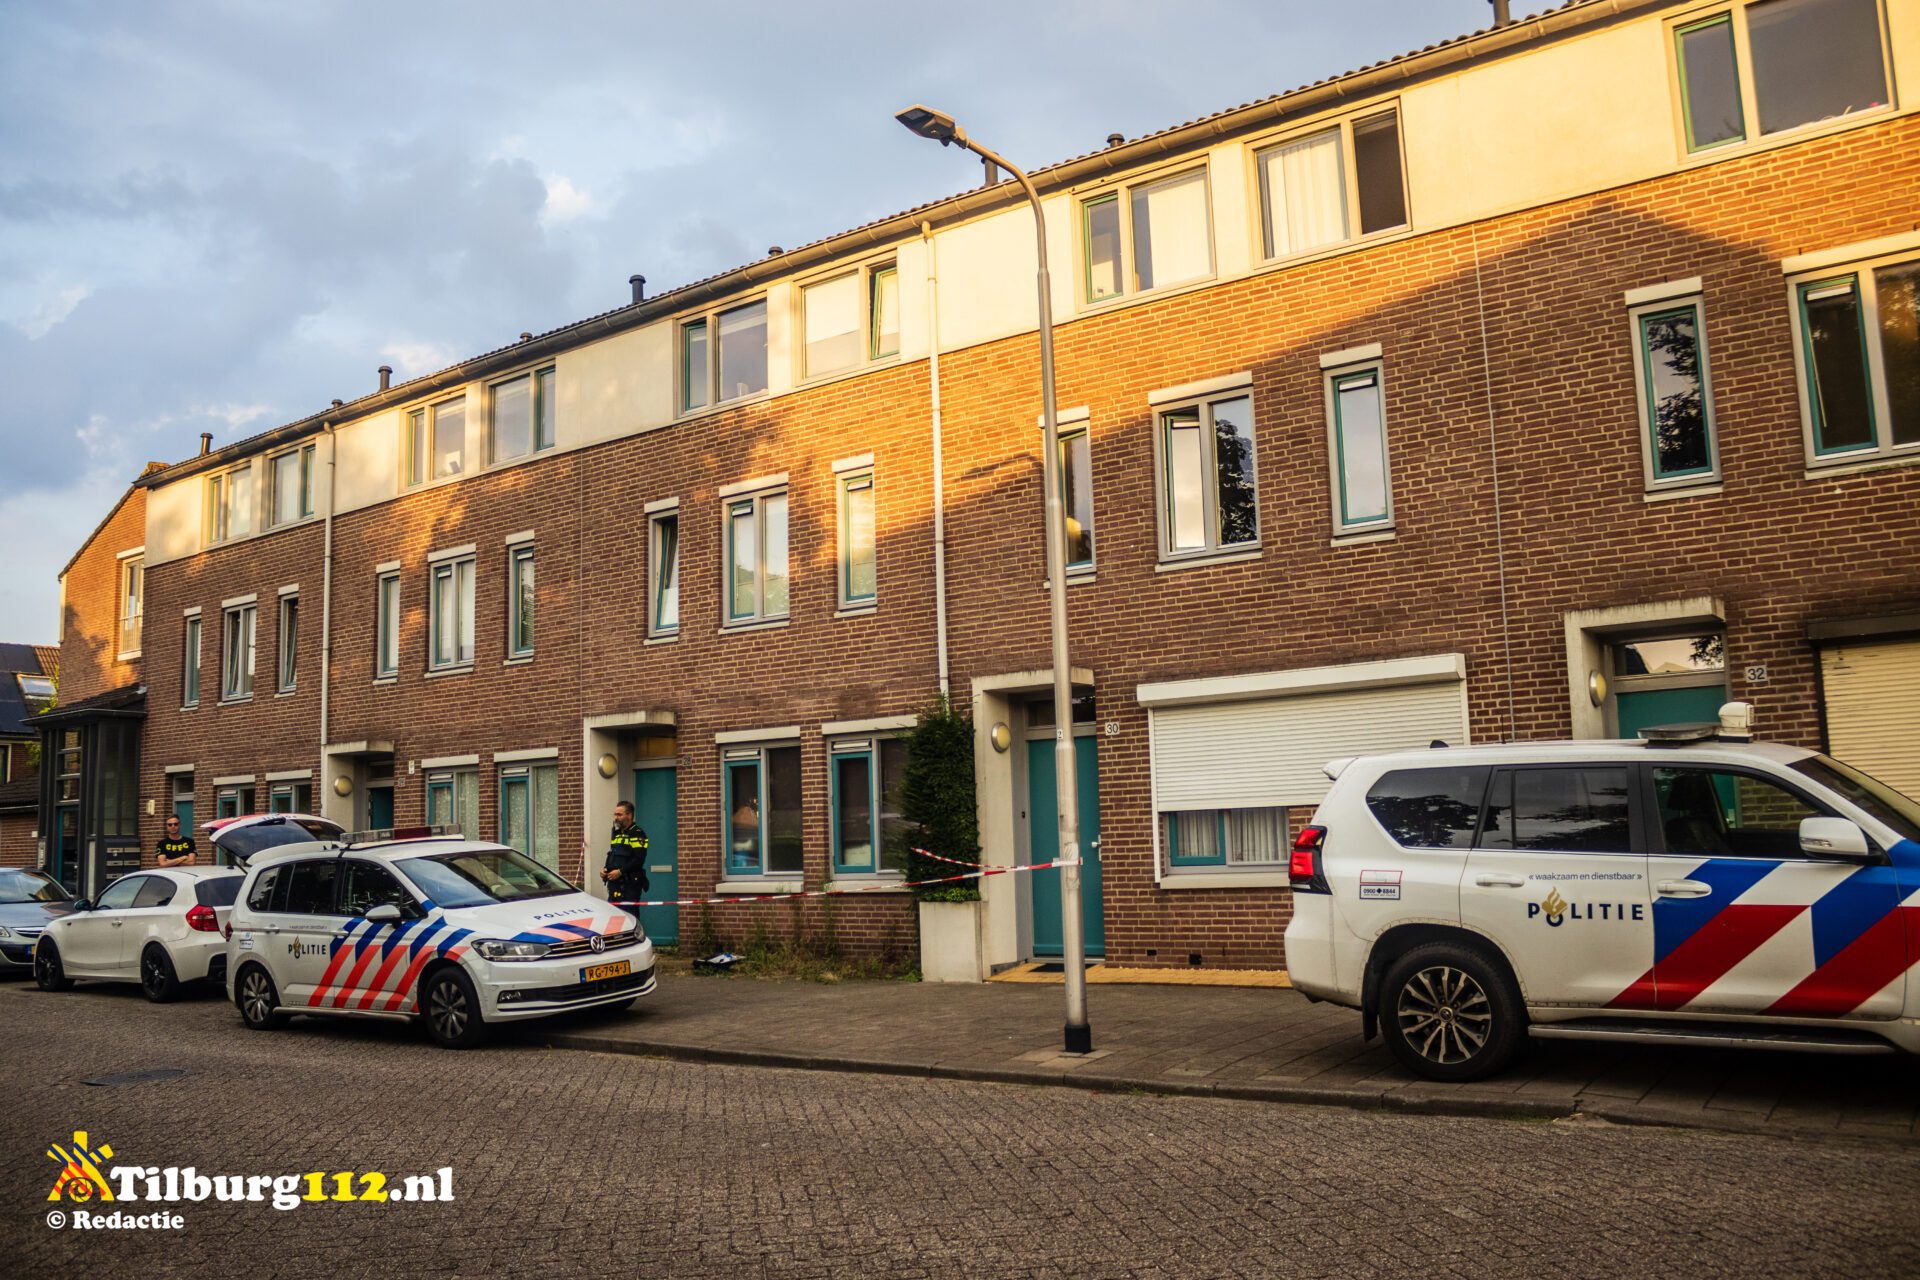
(49,659)
(132,697)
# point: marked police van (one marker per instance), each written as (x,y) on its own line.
(424,923)
(1694,887)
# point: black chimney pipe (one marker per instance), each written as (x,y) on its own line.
(992,178)
(1501,16)
(386,376)
(639,284)
(206,443)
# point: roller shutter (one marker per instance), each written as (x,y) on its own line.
(1873,708)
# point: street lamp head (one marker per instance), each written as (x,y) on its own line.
(929,123)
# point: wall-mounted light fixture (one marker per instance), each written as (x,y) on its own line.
(608,765)
(343,786)
(1000,736)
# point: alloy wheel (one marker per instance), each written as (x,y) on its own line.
(447,1007)
(152,976)
(256,996)
(1444,1014)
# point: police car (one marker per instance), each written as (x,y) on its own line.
(426,924)
(1692,887)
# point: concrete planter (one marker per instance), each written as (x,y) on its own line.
(952,942)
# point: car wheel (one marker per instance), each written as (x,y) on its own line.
(1450,1013)
(452,1009)
(157,978)
(47,970)
(258,999)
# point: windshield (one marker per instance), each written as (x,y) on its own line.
(475,878)
(30,886)
(1900,812)
(234,845)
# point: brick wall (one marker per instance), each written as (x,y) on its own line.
(90,613)
(17,847)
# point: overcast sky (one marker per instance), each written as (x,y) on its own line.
(219,216)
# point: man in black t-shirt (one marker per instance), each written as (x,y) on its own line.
(175,849)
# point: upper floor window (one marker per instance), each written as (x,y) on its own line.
(757,557)
(290,485)
(1773,65)
(133,590)
(1076,494)
(857,581)
(520,599)
(723,356)
(663,573)
(523,416)
(1331,186)
(1146,236)
(1357,448)
(436,440)
(1675,394)
(36,691)
(236,653)
(850,319)
(386,644)
(1208,501)
(230,504)
(289,642)
(450,627)
(190,663)
(1858,349)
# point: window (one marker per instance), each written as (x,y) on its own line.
(133,589)
(1331,186)
(451,641)
(311,888)
(453,799)
(1076,495)
(366,885)
(1207,493)
(850,319)
(1430,808)
(530,812)
(1767,67)
(230,504)
(233,802)
(1578,809)
(182,787)
(523,416)
(190,664)
(37,691)
(1719,813)
(236,654)
(386,656)
(290,485)
(290,797)
(857,584)
(436,440)
(869,837)
(1675,395)
(6,762)
(1357,444)
(1148,236)
(1224,837)
(520,599)
(723,356)
(762,795)
(663,570)
(757,557)
(157,891)
(120,894)
(289,642)
(1859,358)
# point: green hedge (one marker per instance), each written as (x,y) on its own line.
(938,802)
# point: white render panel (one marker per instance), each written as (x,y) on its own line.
(173,520)
(367,463)
(1255,754)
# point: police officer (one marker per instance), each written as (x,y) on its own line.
(625,873)
(175,849)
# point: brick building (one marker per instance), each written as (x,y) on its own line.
(1554,380)
(27,674)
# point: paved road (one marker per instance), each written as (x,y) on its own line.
(570,1163)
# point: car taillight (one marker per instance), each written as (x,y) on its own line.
(203,920)
(1304,870)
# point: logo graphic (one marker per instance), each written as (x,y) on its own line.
(1554,908)
(80,1177)
(599,943)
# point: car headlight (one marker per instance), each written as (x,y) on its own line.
(5,932)
(505,949)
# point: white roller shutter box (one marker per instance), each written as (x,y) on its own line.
(1873,709)
(1232,755)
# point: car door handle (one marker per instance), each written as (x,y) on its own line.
(1683,888)
(118,924)
(1500,881)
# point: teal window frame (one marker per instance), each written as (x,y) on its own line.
(287,643)
(1172,828)
(853,482)
(1337,381)
(444,799)
(1068,438)
(754,506)
(423,432)
(1168,834)
(696,387)
(522,600)
(1086,248)
(885,271)
(1739,81)
(239,629)
(1214,543)
(183,801)
(1811,374)
(190,649)
(869,754)
(1643,317)
(663,572)
(520,788)
(541,427)
(386,629)
(734,766)
(461,622)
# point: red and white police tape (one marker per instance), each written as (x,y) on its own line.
(876,887)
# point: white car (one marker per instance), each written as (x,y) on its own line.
(159,928)
(1696,888)
(420,924)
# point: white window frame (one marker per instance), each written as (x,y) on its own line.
(303,457)
(520,561)
(658,516)
(1162,488)
(1122,193)
(192,639)
(236,681)
(422,420)
(1637,315)
(386,626)
(130,620)
(865,274)
(450,570)
(287,643)
(1331,379)
(1257,149)
(683,375)
(542,385)
(1861,272)
(757,498)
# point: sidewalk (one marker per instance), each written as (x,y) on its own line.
(1265,1045)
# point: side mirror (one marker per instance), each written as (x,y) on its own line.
(1833,838)
(385,913)
(83,904)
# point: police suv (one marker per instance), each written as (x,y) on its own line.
(424,923)
(1692,887)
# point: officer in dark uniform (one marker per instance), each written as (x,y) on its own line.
(625,873)
(175,849)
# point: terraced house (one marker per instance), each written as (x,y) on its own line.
(1554,380)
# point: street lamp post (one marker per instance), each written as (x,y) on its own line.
(943,129)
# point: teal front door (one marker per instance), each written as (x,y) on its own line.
(656,794)
(1044,845)
(1669,706)
(380,808)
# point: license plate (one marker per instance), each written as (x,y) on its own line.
(595,972)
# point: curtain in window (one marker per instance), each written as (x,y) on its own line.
(1256,835)
(466,803)
(1305,191)
(546,816)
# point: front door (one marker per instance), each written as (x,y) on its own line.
(64,849)
(380,808)
(1043,845)
(656,807)
(1669,706)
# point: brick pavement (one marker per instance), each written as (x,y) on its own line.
(1251,1044)
(589,1163)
